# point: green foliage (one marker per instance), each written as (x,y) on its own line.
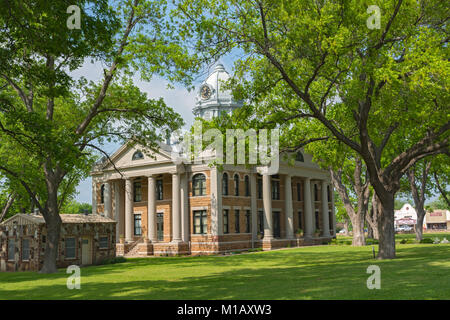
(76,207)
(427,240)
(113,260)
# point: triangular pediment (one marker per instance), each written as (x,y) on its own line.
(123,157)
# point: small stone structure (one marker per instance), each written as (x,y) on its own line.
(84,240)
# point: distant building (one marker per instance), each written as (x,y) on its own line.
(406,216)
(438,220)
(84,240)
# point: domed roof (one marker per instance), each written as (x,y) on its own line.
(212,98)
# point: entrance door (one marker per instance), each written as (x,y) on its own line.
(276,225)
(160,226)
(86,251)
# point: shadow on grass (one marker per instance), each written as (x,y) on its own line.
(306,273)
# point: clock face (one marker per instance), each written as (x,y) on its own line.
(205,92)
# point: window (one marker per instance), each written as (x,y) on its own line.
(248,221)
(317,220)
(199,184)
(200,222)
(299,157)
(299,191)
(160,226)
(261,222)
(330,219)
(300,224)
(137,225)
(275,189)
(11,249)
(259,188)
(102,194)
(328,194)
(71,247)
(103,243)
(137,191)
(159,189)
(137,156)
(25,249)
(225,221)
(236,221)
(225,184)
(236,185)
(247,186)
(316,193)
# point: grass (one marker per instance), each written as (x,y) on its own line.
(322,272)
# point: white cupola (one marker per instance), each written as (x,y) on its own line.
(212,99)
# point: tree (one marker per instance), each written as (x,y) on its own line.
(419,192)
(73,206)
(52,126)
(369,87)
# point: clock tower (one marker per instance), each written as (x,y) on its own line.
(212,99)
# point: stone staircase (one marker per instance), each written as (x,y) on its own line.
(133,249)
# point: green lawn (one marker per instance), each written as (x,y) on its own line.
(421,271)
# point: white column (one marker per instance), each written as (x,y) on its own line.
(308,208)
(267,200)
(185,233)
(94,196)
(313,206)
(325,216)
(254,205)
(289,215)
(176,214)
(129,210)
(108,199)
(332,209)
(151,209)
(216,202)
(117,209)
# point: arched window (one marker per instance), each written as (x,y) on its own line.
(102,194)
(199,185)
(247,186)
(299,157)
(137,155)
(236,184)
(225,184)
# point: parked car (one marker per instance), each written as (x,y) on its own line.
(404,228)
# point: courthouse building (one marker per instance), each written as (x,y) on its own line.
(165,208)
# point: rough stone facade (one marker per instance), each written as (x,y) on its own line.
(21,229)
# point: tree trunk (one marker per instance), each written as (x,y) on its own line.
(419,194)
(372,217)
(8,205)
(419,225)
(358,230)
(386,247)
(346,226)
(369,231)
(53,224)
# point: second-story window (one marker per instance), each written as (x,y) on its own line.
(137,191)
(247,186)
(236,185)
(159,189)
(199,185)
(225,184)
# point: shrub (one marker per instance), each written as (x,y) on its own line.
(119,259)
(426,240)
